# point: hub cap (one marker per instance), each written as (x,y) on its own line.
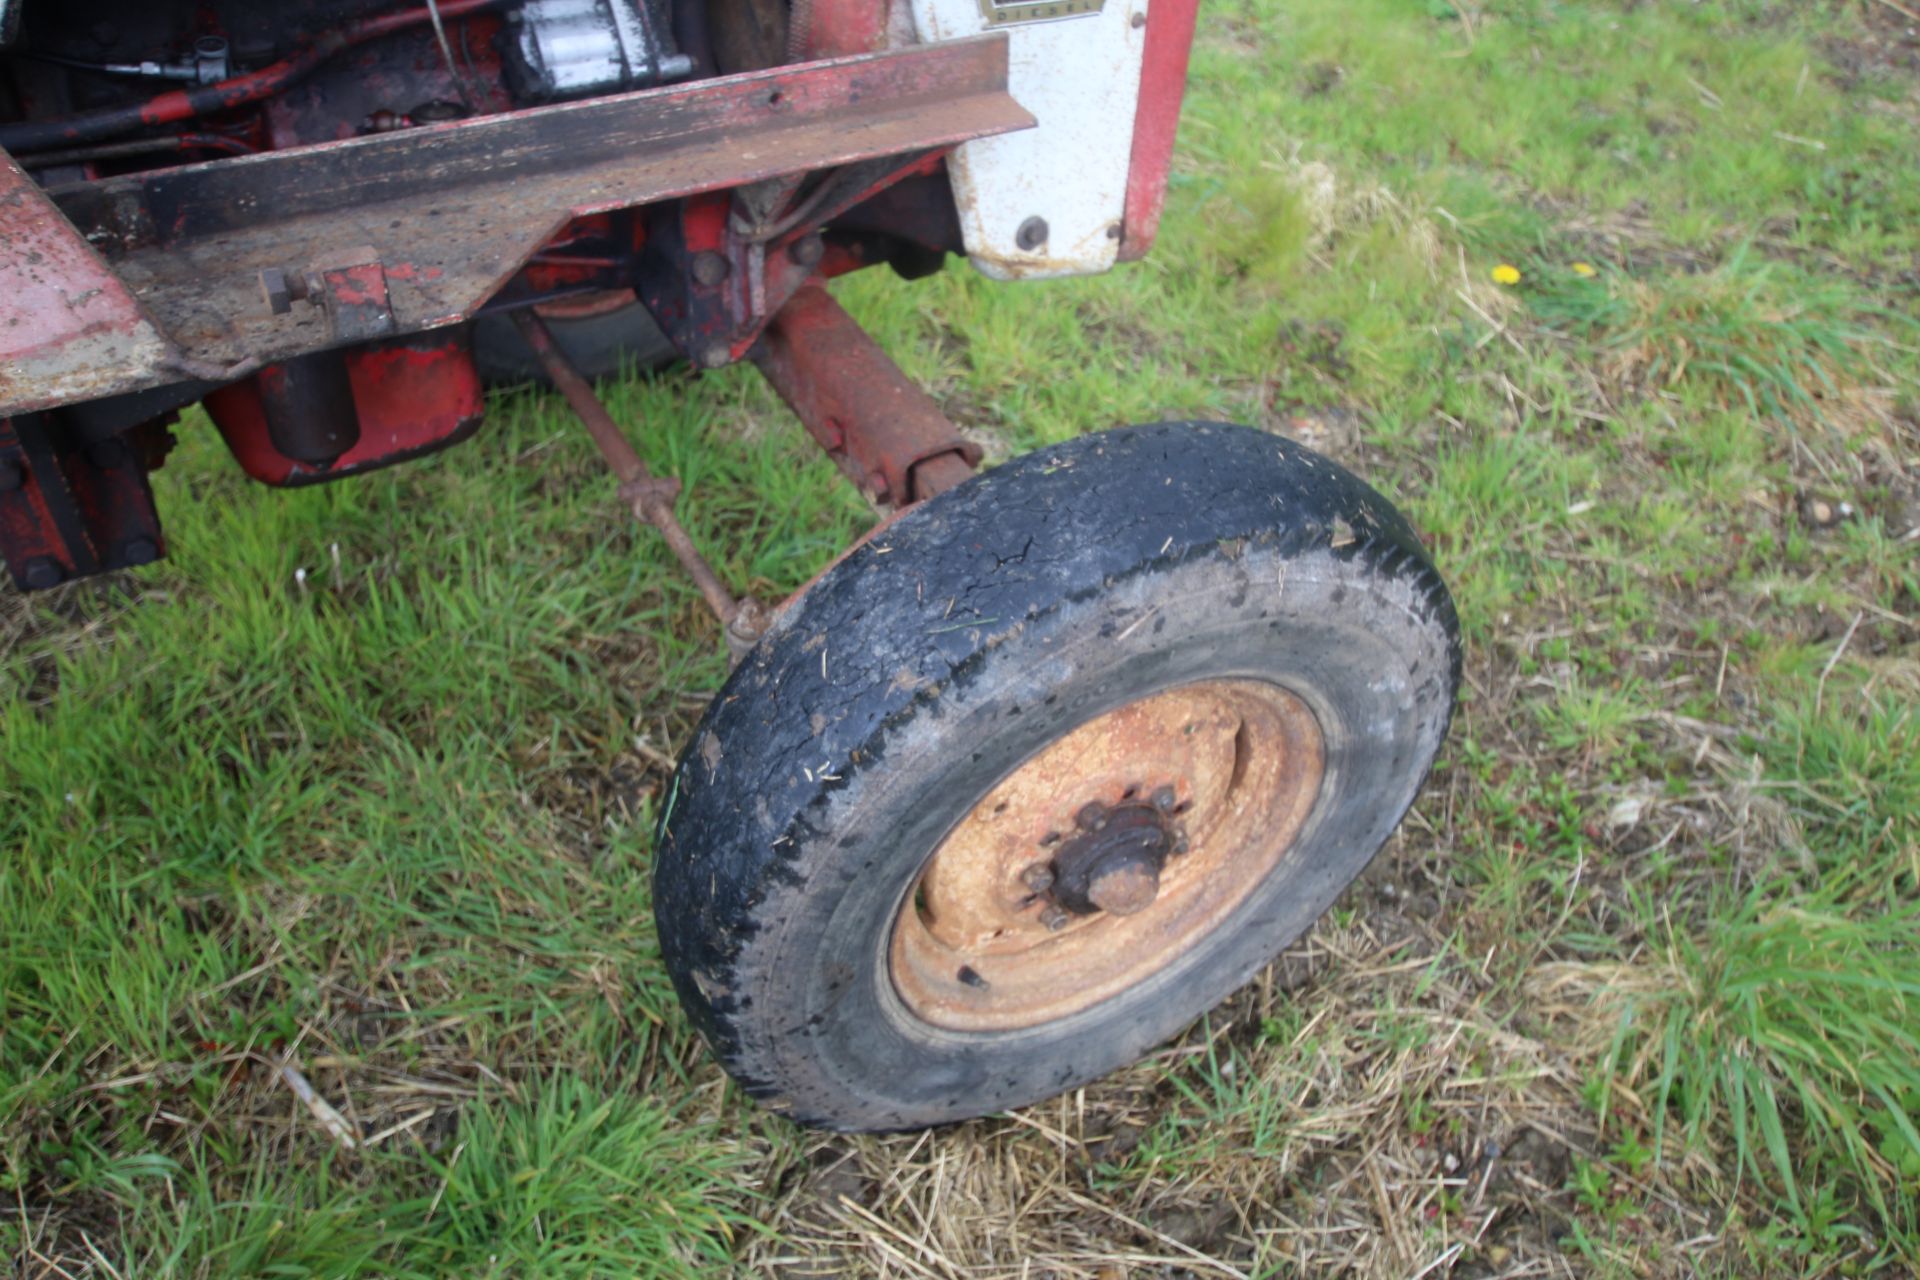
(1107,855)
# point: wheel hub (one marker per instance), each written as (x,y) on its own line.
(1107,855)
(1114,864)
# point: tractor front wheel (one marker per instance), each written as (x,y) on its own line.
(1047,769)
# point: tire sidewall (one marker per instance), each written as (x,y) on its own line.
(927,666)
(826,957)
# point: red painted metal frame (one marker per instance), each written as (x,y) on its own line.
(1163,83)
(783,270)
(68,509)
(841,27)
(453,210)
(61,308)
(413,396)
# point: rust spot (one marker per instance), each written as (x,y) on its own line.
(1222,774)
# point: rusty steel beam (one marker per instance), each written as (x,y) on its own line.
(883,431)
(447,213)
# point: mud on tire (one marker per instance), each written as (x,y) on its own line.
(927,666)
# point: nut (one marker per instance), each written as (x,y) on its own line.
(807,250)
(274,288)
(711,269)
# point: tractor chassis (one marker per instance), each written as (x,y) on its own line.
(277,285)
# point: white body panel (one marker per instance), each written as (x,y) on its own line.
(1080,76)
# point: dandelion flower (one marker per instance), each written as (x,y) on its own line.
(1585,269)
(1506,273)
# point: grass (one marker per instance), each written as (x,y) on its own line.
(360,778)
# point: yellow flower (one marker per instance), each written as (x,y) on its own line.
(1585,269)
(1506,273)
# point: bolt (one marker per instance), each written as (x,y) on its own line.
(42,572)
(1179,843)
(107,454)
(139,551)
(1032,234)
(1115,230)
(711,269)
(716,354)
(1092,816)
(1038,877)
(1139,21)
(807,250)
(1164,799)
(276,289)
(1054,918)
(12,475)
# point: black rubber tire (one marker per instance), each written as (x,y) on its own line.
(932,661)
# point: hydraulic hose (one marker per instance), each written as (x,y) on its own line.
(139,147)
(186,104)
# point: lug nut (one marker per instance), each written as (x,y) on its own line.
(1091,817)
(1054,918)
(1038,877)
(1164,799)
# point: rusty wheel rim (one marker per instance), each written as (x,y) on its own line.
(1002,930)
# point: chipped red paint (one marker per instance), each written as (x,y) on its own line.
(1163,82)
(520,177)
(408,271)
(67,323)
(70,509)
(413,396)
(847,26)
(168,108)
